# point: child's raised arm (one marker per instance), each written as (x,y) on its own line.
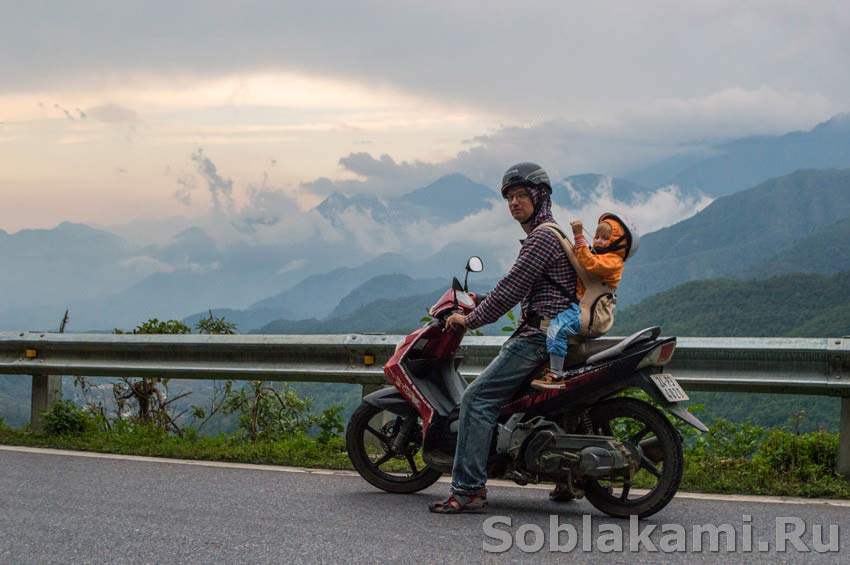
(600,265)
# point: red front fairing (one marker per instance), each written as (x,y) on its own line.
(397,375)
(429,342)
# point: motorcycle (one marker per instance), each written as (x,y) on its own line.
(620,452)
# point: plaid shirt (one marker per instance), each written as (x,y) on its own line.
(541,254)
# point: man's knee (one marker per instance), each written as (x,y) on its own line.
(469,402)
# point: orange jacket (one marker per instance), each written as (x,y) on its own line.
(608,267)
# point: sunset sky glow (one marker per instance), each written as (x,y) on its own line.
(102,106)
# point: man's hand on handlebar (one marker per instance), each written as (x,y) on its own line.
(456,322)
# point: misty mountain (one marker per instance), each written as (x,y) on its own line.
(738,232)
(385,315)
(68,261)
(385,286)
(314,297)
(336,205)
(743,163)
(318,295)
(448,199)
(191,247)
(107,282)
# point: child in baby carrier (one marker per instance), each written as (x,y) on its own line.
(606,261)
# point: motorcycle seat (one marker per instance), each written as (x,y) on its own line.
(593,351)
(579,351)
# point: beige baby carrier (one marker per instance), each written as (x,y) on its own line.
(598,302)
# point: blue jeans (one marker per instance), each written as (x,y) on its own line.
(479,409)
(565,324)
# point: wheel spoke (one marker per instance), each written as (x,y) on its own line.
(639,435)
(384,439)
(625,494)
(383,459)
(647,464)
(412,464)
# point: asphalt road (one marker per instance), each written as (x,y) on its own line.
(61,508)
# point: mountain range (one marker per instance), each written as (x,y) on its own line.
(790,223)
(743,233)
(785,225)
(448,199)
(795,305)
(743,163)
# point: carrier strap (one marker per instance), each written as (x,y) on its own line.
(588,278)
(564,290)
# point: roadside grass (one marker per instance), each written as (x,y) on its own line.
(300,450)
(732,458)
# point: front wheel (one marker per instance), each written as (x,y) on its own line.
(370,440)
(650,434)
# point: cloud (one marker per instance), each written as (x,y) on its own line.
(111,113)
(221,189)
(622,142)
(650,211)
(65,111)
(573,58)
(380,177)
(494,230)
(292,266)
(265,208)
(145,265)
(187,184)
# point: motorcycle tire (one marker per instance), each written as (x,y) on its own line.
(667,449)
(355,441)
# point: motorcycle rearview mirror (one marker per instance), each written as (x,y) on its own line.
(474,265)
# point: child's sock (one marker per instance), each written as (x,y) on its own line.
(556,364)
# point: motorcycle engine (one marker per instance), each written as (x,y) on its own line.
(549,451)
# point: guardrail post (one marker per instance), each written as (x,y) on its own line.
(46,389)
(844,437)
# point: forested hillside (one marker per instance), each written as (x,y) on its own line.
(798,305)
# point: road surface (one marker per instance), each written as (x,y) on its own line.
(63,507)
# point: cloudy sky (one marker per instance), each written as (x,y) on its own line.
(119,111)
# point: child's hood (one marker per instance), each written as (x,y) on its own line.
(617,231)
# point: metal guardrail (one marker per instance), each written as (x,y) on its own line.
(772,365)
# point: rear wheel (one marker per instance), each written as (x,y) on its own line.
(648,433)
(370,440)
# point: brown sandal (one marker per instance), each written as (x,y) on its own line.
(460,504)
(549,380)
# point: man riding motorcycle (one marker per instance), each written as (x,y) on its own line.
(544,281)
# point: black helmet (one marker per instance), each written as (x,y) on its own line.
(526,174)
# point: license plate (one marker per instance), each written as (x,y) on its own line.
(668,386)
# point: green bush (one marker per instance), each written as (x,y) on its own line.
(801,456)
(727,440)
(65,418)
(331,423)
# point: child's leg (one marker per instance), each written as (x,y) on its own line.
(567,323)
(556,345)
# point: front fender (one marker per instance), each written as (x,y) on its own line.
(391,400)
